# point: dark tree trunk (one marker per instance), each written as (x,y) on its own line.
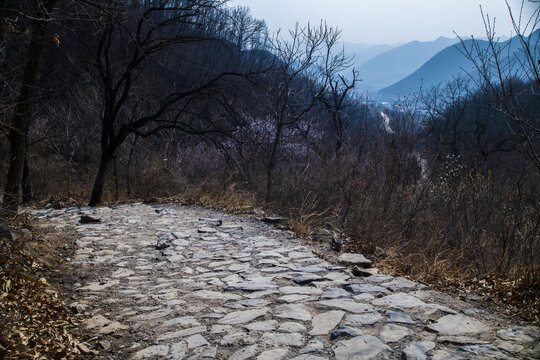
(101,176)
(26,185)
(23,109)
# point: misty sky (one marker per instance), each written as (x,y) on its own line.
(387,21)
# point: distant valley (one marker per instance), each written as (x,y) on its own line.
(405,69)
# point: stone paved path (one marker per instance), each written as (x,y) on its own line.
(155,282)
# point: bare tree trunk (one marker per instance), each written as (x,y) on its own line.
(26,185)
(23,109)
(272,162)
(99,182)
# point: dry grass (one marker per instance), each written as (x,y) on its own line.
(34,323)
(517,293)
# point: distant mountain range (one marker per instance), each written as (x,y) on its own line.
(447,64)
(396,63)
(363,52)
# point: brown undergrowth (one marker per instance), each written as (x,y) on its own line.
(34,321)
(517,293)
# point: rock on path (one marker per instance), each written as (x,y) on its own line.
(166,282)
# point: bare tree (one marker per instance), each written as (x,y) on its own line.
(18,126)
(132,48)
(308,64)
(510,72)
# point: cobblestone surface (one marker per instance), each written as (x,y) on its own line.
(169,282)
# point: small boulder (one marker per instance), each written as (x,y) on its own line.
(355,259)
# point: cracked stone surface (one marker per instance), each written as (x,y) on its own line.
(173,282)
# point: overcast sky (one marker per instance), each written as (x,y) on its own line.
(387,21)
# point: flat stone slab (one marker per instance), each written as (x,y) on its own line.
(394,333)
(334,293)
(326,322)
(306,279)
(283,339)
(274,354)
(399,300)
(457,325)
(215,295)
(520,334)
(418,350)
(364,347)
(347,305)
(152,351)
(345,331)
(242,317)
(354,259)
(366,288)
(292,311)
(363,319)
(300,290)
(244,353)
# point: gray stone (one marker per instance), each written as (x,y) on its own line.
(362,347)
(219,329)
(274,354)
(314,345)
(326,322)
(306,279)
(205,352)
(216,222)
(354,259)
(163,242)
(449,355)
(308,357)
(401,284)
(231,228)
(242,317)
(294,298)
(345,331)
(169,252)
(182,333)
(337,276)
(291,327)
(262,325)
(399,300)
(366,288)
(347,305)
(460,340)
(418,350)
(153,351)
(509,346)
(312,269)
(334,293)
(292,311)
(258,284)
(283,339)
(457,325)
(300,290)
(237,337)
(215,295)
(486,351)
(244,353)
(399,317)
(363,319)
(195,341)
(393,332)
(521,334)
